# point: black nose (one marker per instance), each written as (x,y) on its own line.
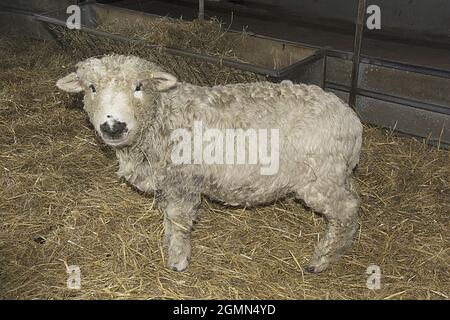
(113,130)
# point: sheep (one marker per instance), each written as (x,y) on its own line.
(135,107)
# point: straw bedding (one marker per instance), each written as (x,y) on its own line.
(62,204)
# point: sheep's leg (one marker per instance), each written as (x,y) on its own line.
(168,230)
(179,217)
(339,207)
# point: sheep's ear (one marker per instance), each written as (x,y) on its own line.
(164,81)
(70,83)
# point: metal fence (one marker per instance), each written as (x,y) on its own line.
(196,68)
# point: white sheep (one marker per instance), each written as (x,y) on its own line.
(136,107)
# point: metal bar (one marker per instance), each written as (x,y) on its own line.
(388,98)
(293,67)
(406,67)
(324,67)
(392,64)
(201,9)
(359,34)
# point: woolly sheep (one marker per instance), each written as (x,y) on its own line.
(135,107)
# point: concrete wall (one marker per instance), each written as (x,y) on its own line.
(423,16)
(408,18)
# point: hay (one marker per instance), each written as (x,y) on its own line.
(205,37)
(61,204)
(150,37)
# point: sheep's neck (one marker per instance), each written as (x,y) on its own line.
(141,163)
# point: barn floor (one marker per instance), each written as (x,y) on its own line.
(61,204)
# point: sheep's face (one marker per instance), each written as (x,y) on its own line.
(119,91)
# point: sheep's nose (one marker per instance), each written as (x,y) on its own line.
(113,130)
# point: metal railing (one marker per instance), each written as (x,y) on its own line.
(189,66)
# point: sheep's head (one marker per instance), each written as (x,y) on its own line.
(118,94)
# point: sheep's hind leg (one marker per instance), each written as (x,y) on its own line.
(339,207)
(179,217)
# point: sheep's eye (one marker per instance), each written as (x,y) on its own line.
(138,87)
(92,88)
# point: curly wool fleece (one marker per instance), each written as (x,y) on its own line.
(319,146)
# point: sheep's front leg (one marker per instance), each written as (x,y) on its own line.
(179,217)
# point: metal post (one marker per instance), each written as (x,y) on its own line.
(357,51)
(324,67)
(201,9)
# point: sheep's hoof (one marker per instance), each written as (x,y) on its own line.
(310,269)
(178,265)
(313,269)
(319,265)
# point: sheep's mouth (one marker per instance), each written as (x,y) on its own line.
(116,141)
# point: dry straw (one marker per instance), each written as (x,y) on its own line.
(149,37)
(61,204)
